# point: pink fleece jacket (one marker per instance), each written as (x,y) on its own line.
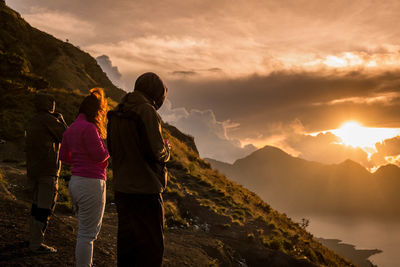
(83,148)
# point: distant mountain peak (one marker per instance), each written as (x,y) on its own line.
(389,169)
(349,162)
(268,151)
(351,166)
(272,148)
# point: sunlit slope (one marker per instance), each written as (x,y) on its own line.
(62,64)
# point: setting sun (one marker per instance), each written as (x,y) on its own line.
(353,134)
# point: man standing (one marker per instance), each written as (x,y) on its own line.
(139,155)
(43,137)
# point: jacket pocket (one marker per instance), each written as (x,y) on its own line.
(162,174)
(52,156)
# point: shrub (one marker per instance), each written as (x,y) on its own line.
(304,223)
(261,219)
(225,226)
(109,186)
(287,245)
(191,168)
(239,214)
(173,216)
(272,226)
(310,254)
(63,199)
(237,222)
(251,237)
(1,175)
(192,157)
(274,243)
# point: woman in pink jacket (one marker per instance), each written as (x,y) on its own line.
(83,147)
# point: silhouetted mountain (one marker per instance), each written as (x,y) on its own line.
(298,186)
(61,63)
(358,256)
(389,171)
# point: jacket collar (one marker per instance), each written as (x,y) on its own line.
(81,117)
(132,100)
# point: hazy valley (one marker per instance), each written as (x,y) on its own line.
(342,201)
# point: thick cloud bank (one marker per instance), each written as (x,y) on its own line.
(112,71)
(210,135)
(388,151)
(321,100)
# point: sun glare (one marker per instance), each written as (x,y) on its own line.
(353,134)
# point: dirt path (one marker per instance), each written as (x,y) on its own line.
(184,247)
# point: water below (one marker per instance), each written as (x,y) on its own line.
(363,234)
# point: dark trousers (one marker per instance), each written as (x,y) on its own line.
(44,196)
(140,229)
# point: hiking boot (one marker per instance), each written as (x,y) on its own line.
(44,249)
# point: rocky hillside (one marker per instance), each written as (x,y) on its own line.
(298,186)
(211,221)
(62,64)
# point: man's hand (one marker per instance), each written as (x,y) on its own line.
(167,144)
(60,117)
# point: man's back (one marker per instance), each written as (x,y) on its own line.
(43,137)
(136,146)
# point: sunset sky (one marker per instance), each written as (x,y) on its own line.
(247,73)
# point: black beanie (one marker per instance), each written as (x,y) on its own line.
(151,85)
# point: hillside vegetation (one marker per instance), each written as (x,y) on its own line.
(211,221)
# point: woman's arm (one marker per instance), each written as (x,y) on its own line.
(95,146)
(65,153)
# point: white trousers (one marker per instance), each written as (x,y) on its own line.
(88,197)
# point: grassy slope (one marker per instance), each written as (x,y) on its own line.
(61,63)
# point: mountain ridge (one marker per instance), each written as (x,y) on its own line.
(344,188)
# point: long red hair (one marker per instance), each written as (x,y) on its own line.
(95,107)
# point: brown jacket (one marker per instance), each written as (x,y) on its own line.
(43,137)
(136,145)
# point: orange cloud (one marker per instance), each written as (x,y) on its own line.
(388,151)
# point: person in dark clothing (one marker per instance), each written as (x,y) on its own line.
(43,137)
(139,154)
